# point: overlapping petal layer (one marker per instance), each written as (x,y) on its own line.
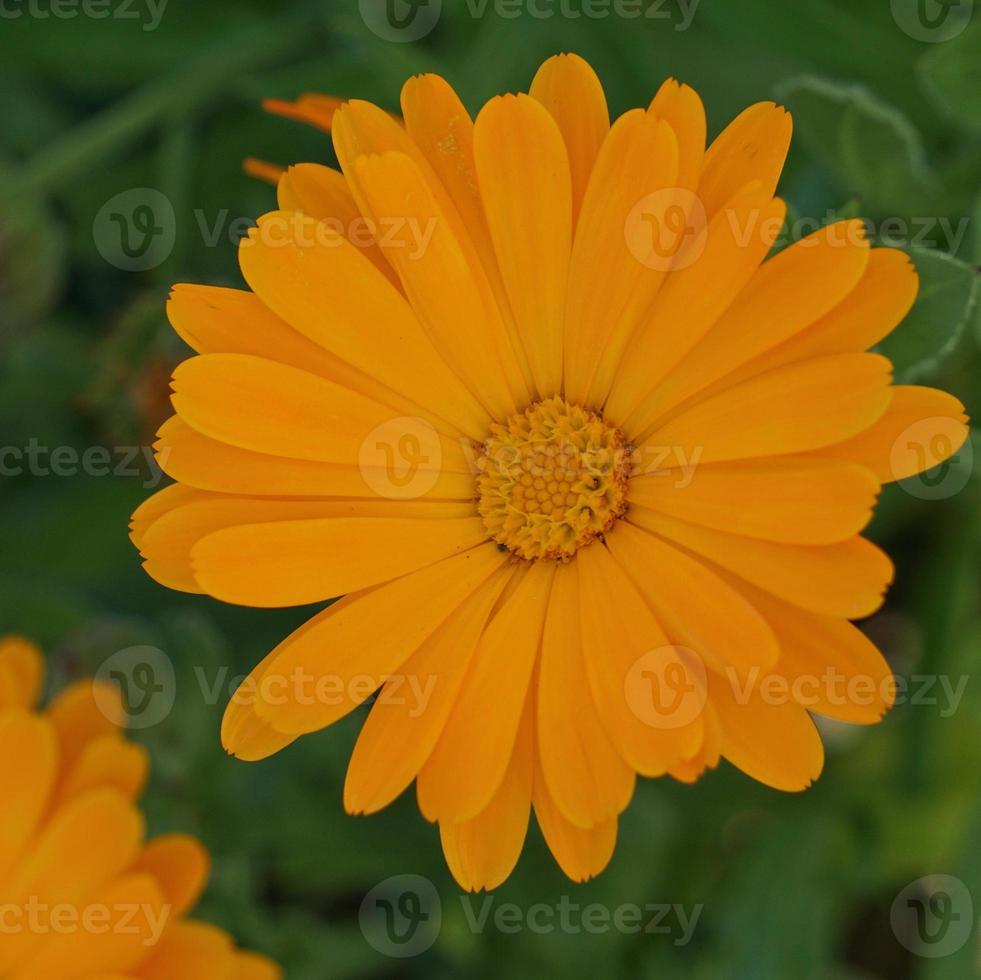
(329,436)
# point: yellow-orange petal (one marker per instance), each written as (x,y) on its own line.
(711,272)
(619,635)
(787,294)
(775,743)
(697,609)
(581,854)
(191,951)
(752,147)
(56,871)
(587,779)
(448,296)
(830,666)
(793,409)
(263,170)
(291,563)
(21,672)
(108,760)
(181,865)
(619,256)
(681,108)
(793,499)
(311,108)
(324,194)
(294,264)
(874,307)
(526,190)
(921,428)
(353,647)
(28,770)
(85,710)
(573,95)
(845,579)
(273,408)
(471,757)
(483,851)
(409,714)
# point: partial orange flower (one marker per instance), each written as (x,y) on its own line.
(83,894)
(589,470)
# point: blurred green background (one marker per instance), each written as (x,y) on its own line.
(887,105)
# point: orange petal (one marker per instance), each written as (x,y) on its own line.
(696,607)
(793,499)
(293,263)
(775,743)
(21,672)
(921,428)
(752,147)
(323,193)
(181,865)
(846,579)
(471,757)
(573,94)
(526,190)
(710,273)
(787,294)
(796,408)
(263,170)
(482,852)
(408,717)
(310,108)
(581,854)
(623,648)
(585,776)
(620,255)
(340,657)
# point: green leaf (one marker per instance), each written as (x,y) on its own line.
(872,149)
(943,307)
(951,76)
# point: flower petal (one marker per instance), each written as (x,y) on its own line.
(845,579)
(482,852)
(586,778)
(793,499)
(526,190)
(352,647)
(697,608)
(407,718)
(793,409)
(618,632)
(752,147)
(573,94)
(921,428)
(471,757)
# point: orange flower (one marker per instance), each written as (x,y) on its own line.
(83,896)
(588,469)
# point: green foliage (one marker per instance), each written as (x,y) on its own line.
(788,886)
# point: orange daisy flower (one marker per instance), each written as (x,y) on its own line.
(83,896)
(588,469)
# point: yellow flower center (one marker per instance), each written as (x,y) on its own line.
(552,479)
